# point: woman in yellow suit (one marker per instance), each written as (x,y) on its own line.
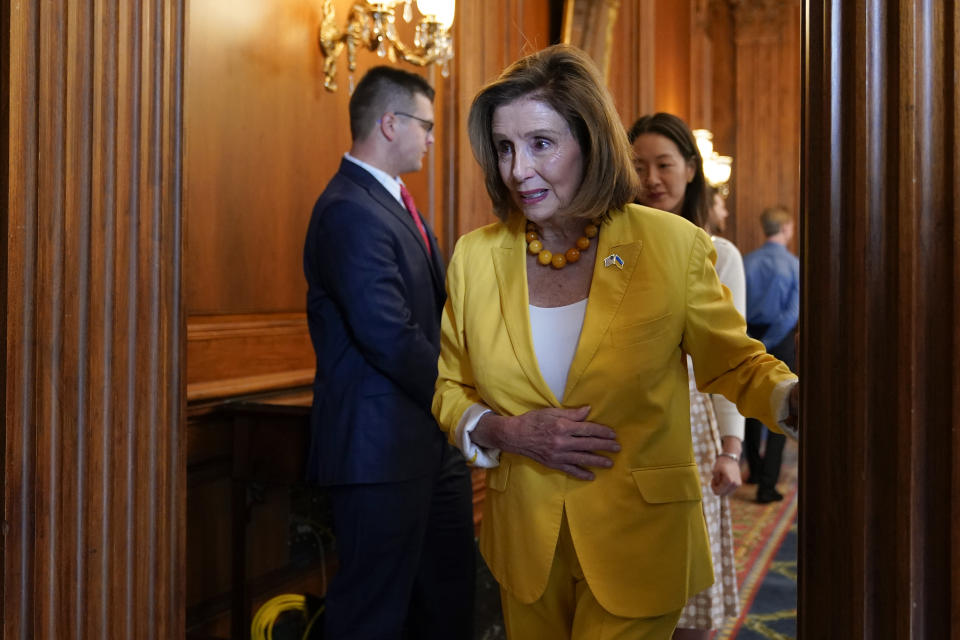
(567,378)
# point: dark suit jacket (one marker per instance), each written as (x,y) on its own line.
(373,305)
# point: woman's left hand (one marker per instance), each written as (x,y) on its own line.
(726,476)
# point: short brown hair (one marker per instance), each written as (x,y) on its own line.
(696,205)
(773,218)
(381,89)
(564,78)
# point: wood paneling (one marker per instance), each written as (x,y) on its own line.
(651,68)
(632,69)
(701,65)
(589,25)
(723,97)
(766,169)
(489,36)
(879,346)
(234,355)
(93,474)
(672,57)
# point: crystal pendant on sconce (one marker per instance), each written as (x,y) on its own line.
(371,26)
(445,69)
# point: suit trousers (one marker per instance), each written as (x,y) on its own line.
(765,469)
(406,557)
(568,610)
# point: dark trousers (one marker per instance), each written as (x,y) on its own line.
(765,469)
(406,556)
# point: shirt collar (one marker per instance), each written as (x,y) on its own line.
(391,184)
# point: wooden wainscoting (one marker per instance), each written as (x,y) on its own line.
(234,355)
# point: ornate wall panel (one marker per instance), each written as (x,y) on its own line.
(588,24)
(672,49)
(701,65)
(723,96)
(766,170)
(631,70)
(880,455)
(93,452)
(650,66)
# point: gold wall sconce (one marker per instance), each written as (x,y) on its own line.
(716,168)
(372,25)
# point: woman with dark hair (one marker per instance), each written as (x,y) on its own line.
(560,368)
(671,176)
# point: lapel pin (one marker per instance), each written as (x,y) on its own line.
(613,260)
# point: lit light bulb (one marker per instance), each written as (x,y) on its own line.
(442,10)
(704,142)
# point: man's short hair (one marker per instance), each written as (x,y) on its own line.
(383,89)
(773,219)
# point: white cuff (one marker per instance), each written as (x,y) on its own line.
(729,420)
(780,405)
(476,456)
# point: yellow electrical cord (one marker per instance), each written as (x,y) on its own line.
(316,616)
(262,626)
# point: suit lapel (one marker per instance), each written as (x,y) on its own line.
(510,266)
(607,289)
(379,193)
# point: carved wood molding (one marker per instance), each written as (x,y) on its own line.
(588,24)
(244,385)
(701,14)
(235,326)
(760,19)
(231,355)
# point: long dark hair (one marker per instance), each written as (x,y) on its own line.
(695,203)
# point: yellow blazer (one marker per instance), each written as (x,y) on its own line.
(638,527)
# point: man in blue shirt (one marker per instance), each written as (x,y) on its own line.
(773,307)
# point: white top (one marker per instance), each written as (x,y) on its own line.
(556,332)
(730,271)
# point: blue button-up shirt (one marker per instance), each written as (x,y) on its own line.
(773,293)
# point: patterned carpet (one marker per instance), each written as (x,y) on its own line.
(766,555)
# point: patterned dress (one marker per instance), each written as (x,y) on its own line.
(707,609)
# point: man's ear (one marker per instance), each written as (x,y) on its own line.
(387,124)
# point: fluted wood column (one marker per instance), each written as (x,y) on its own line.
(93,465)
(880,322)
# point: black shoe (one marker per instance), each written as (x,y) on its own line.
(765,496)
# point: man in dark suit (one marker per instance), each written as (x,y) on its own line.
(401,495)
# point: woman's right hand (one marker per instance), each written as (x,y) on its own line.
(557,438)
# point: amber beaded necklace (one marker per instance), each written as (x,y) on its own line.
(559,260)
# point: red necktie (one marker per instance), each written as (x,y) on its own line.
(412,208)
